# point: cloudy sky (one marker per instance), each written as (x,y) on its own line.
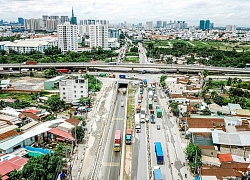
(221,12)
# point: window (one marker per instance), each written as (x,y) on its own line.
(64,93)
(74,91)
(63,88)
(81,86)
(64,97)
(74,86)
(75,96)
(81,91)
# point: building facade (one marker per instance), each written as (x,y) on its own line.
(231,28)
(33,24)
(114,33)
(158,24)
(98,35)
(149,25)
(73,89)
(67,37)
(21,21)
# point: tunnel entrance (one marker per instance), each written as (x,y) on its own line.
(122,87)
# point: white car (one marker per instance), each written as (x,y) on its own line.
(122,104)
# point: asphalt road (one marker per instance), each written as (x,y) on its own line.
(112,160)
(139,159)
(159,136)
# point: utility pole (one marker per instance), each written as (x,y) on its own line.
(195,161)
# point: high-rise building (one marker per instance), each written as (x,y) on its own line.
(211,26)
(67,37)
(64,19)
(202,24)
(52,22)
(114,33)
(231,28)
(149,25)
(44,20)
(98,35)
(33,24)
(164,24)
(158,24)
(207,24)
(21,21)
(73,18)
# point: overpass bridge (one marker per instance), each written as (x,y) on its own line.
(132,67)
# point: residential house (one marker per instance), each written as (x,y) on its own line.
(214,108)
(233,107)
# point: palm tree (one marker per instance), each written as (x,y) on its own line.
(235,80)
(229,81)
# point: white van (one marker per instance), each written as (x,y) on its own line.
(122,104)
(142,118)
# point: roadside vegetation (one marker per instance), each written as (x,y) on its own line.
(52,55)
(131,105)
(207,52)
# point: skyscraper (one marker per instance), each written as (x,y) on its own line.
(33,24)
(149,25)
(64,19)
(164,24)
(231,28)
(21,21)
(98,35)
(67,37)
(73,18)
(207,24)
(114,33)
(158,24)
(202,24)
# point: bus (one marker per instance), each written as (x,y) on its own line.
(117,143)
(112,63)
(137,123)
(159,153)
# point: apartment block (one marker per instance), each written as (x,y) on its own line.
(67,37)
(98,35)
(73,89)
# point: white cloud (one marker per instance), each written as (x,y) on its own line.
(221,12)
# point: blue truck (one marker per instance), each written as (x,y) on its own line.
(159,153)
(152,119)
(122,76)
(128,138)
(157,173)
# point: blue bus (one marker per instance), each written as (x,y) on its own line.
(159,153)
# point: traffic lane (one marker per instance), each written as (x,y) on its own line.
(112,159)
(159,136)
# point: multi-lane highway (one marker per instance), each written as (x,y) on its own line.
(111,161)
(139,157)
(165,67)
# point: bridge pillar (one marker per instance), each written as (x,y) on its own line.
(132,70)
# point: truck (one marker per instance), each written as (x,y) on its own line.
(155,98)
(143,110)
(143,117)
(1,68)
(141,91)
(152,118)
(128,139)
(157,173)
(117,142)
(112,75)
(122,76)
(159,153)
(159,112)
(30,62)
(62,71)
(150,104)
(137,123)
(138,109)
(145,82)
(25,70)
(102,74)
(150,95)
(139,99)
(149,87)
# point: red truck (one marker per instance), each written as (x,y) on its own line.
(30,63)
(117,143)
(62,70)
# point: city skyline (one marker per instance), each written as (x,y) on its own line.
(221,12)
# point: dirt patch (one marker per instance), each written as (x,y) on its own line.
(28,83)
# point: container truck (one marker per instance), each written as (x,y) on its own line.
(157,173)
(159,153)
(143,115)
(150,95)
(137,123)
(117,143)
(30,63)
(122,76)
(139,99)
(159,112)
(128,136)
(62,70)
(150,104)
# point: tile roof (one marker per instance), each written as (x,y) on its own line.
(219,172)
(11,164)
(73,121)
(206,147)
(31,115)
(61,133)
(8,134)
(225,157)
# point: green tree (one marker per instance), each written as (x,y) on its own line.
(56,104)
(163,78)
(205,73)
(79,133)
(206,112)
(229,81)
(219,100)
(194,155)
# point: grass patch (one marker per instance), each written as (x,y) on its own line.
(130,106)
(133,59)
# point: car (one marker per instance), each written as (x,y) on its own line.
(158,127)
(122,104)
